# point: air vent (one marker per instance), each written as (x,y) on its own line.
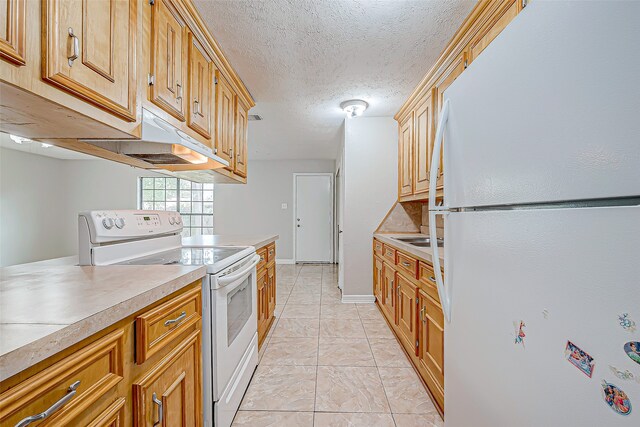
(254,117)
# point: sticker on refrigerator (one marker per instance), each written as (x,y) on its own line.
(626,322)
(520,335)
(632,348)
(625,375)
(616,398)
(579,358)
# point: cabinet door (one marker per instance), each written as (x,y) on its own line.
(423,144)
(388,292)
(496,23)
(263,305)
(271,282)
(13,30)
(170,393)
(168,58)
(225,117)
(200,88)
(406,302)
(377,278)
(89,50)
(431,337)
(449,76)
(242,126)
(405,157)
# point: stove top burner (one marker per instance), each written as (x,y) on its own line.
(188,256)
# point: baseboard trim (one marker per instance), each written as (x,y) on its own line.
(285,261)
(358,299)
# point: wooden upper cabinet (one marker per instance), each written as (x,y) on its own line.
(497,22)
(170,393)
(225,118)
(405,157)
(89,50)
(406,303)
(241,129)
(13,31)
(423,145)
(168,58)
(452,72)
(200,88)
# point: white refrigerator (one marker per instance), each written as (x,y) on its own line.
(541,207)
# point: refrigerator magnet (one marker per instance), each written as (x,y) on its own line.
(520,335)
(632,348)
(579,358)
(616,398)
(625,375)
(626,322)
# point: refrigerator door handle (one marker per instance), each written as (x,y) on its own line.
(434,210)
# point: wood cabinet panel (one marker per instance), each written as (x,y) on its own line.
(431,340)
(407,264)
(271,252)
(377,278)
(225,118)
(271,290)
(423,145)
(170,392)
(406,303)
(263,305)
(13,36)
(389,254)
(377,247)
(428,279)
(156,328)
(168,58)
(89,50)
(262,253)
(389,292)
(494,26)
(113,416)
(200,88)
(405,157)
(241,130)
(80,380)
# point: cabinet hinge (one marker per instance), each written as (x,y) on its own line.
(215,151)
(524,3)
(152,2)
(215,80)
(151,79)
(417,344)
(417,301)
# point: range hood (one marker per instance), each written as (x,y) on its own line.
(162,144)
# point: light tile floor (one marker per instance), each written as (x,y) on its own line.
(325,363)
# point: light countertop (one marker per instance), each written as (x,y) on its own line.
(48,306)
(257,241)
(420,253)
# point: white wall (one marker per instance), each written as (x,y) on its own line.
(255,208)
(370,189)
(40,198)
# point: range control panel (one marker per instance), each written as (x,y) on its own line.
(114,225)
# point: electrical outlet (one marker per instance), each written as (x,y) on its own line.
(284,206)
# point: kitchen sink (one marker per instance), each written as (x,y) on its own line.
(422,242)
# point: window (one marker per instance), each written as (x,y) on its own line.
(193,200)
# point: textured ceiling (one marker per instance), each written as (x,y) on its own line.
(300,59)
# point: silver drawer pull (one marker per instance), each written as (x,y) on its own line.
(74,50)
(196,107)
(71,392)
(405,263)
(176,320)
(433,279)
(160,409)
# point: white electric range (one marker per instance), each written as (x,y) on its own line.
(229,291)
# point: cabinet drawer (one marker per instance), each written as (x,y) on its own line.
(75,383)
(113,416)
(389,254)
(271,252)
(156,328)
(428,279)
(262,252)
(378,247)
(408,264)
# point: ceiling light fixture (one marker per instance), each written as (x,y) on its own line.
(354,107)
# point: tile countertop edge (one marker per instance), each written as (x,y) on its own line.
(27,355)
(423,254)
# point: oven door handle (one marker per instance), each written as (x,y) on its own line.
(225,280)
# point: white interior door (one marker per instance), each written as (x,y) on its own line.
(339,220)
(313,217)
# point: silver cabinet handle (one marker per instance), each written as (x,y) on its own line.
(422,314)
(433,279)
(176,320)
(405,263)
(74,48)
(179,91)
(160,409)
(71,392)
(196,107)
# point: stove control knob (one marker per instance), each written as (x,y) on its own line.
(107,223)
(120,223)
(172,220)
(178,220)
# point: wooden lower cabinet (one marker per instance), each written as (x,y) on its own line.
(409,301)
(98,383)
(266,282)
(168,394)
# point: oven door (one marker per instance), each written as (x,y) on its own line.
(234,318)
